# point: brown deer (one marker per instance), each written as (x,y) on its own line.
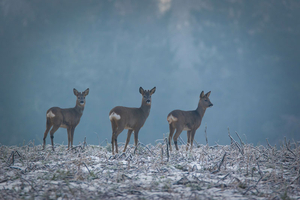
(66,118)
(189,121)
(130,118)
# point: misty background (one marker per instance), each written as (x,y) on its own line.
(245,52)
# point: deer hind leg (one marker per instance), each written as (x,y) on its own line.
(177,133)
(114,128)
(172,129)
(53,130)
(128,138)
(48,127)
(117,129)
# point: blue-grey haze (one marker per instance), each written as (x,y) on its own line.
(245,52)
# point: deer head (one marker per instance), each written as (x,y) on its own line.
(81,96)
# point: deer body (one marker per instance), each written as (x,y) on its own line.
(188,121)
(132,119)
(67,118)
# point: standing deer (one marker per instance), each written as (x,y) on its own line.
(130,118)
(189,121)
(66,118)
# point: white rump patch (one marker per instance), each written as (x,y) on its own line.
(114,115)
(171,119)
(50,114)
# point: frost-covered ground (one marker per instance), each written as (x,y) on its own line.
(236,171)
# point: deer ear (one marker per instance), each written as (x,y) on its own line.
(75,92)
(86,92)
(141,90)
(207,94)
(152,90)
(202,94)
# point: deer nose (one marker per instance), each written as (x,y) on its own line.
(148,101)
(211,105)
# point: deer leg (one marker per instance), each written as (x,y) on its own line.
(69,137)
(188,139)
(48,126)
(178,132)
(118,131)
(112,143)
(114,128)
(136,136)
(54,128)
(72,136)
(192,138)
(128,138)
(172,129)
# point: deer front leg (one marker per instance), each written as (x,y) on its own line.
(192,138)
(69,137)
(128,138)
(188,139)
(72,136)
(136,136)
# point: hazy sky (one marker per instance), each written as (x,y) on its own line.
(245,52)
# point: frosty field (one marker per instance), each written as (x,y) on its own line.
(236,171)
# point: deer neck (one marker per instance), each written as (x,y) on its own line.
(79,108)
(201,110)
(145,108)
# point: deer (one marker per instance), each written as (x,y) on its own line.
(67,118)
(132,119)
(189,121)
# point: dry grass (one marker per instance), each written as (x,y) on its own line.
(236,171)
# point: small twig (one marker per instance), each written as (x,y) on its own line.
(220,164)
(287,147)
(103,142)
(136,148)
(253,186)
(197,143)
(259,171)
(233,142)
(206,135)
(268,143)
(14,167)
(28,183)
(148,149)
(181,140)
(166,141)
(122,154)
(242,143)
(84,143)
(86,167)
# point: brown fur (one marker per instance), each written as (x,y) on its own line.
(187,120)
(130,118)
(67,118)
